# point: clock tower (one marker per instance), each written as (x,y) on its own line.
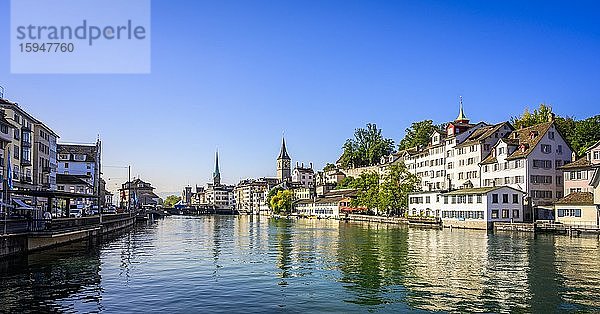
(284,170)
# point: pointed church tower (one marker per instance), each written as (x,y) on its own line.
(461,114)
(217,173)
(284,171)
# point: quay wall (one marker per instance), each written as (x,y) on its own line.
(392,220)
(74,229)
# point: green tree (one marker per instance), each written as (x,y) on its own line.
(579,134)
(527,119)
(366,148)
(394,190)
(345,183)
(367,186)
(585,134)
(418,134)
(281,203)
(328,167)
(171,200)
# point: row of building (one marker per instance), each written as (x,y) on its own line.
(473,175)
(31,159)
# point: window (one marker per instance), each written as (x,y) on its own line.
(551,135)
(16,152)
(505,213)
(515,198)
(597,155)
(470,199)
(61,187)
(4,129)
(494,213)
(66,165)
(560,149)
(479,199)
(504,198)
(17,134)
(546,149)
(570,212)
(495,198)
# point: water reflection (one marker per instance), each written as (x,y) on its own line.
(256,265)
(45,282)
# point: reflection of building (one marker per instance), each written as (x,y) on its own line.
(474,208)
(142,194)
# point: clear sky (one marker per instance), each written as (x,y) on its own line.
(236,74)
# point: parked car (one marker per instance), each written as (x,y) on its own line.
(92,211)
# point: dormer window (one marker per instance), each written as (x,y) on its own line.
(533,134)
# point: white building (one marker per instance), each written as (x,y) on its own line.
(529,159)
(304,175)
(81,160)
(476,208)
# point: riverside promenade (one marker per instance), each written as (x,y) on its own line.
(23,236)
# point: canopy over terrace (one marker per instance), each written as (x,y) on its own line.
(50,195)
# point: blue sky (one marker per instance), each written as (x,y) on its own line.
(236,74)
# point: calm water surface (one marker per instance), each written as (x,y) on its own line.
(257,265)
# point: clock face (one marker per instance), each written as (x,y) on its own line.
(286,164)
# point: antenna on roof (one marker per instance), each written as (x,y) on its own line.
(1,91)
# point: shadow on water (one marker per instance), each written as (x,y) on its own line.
(40,280)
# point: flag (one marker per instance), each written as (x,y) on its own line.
(9,174)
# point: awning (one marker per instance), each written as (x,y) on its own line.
(21,204)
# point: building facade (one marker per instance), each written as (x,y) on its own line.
(529,159)
(305,176)
(473,208)
(579,173)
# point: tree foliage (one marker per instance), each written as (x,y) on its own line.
(171,200)
(527,119)
(328,167)
(345,183)
(579,134)
(281,203)
(418,134)
(366,148)
(388,193)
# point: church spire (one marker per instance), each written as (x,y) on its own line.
(217,173)
(283,152)
(461,113)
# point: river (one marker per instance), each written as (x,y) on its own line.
(226,264)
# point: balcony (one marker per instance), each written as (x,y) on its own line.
(25,143)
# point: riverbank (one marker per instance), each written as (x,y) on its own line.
(62,231)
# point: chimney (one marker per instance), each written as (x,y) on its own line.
(302,165)
(297,164)
(311,165)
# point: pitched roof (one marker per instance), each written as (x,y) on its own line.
(483,190)
(89,150)
(577,198)
(283,152)
(483,133)
(529,137)
(582,162)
